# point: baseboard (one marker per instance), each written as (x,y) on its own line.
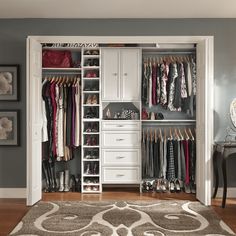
(12,192)
(231,192)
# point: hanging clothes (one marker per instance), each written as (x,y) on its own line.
(171,159)
(170,84)
(62,108)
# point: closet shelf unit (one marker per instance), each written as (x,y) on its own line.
(91,86)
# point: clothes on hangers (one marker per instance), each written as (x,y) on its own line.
(172,159)
(171,84)
(61,102)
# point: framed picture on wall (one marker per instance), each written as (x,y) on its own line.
(9,127)
(9,81)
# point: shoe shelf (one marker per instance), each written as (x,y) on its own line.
(91,91)
(91,121)
(91,105)
(61,69)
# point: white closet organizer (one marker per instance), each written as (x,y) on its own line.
(121,78)
(111,78)
(168,116)
(91,122)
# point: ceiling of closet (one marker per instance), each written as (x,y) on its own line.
(117,9)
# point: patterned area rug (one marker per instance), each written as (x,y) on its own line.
(121,218)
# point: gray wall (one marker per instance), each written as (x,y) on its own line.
(13,35)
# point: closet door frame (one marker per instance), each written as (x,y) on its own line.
(204,119)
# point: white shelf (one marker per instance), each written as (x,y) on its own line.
(85,146)
(91,133)
(91,191)
(91,105)
(91,119)
(61,69)
(91,175)
(91,91)
(90,67)
(91,78)
(84,159)
(90,184)
(169,121)
(91,56)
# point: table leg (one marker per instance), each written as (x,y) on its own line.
(216,173)
(225,181)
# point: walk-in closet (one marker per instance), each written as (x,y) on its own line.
(125,111)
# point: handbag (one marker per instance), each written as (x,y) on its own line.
(57,59)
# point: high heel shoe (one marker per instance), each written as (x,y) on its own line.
(177,186)
(94,100)
(89,99)
(172,186)
(89,141)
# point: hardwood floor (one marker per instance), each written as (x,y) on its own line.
(12,210)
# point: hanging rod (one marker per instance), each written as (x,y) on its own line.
(169,53)
(61,72)
(169,122)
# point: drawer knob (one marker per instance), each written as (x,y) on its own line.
(120,157)
(120,175)
(119,139)
(120,126)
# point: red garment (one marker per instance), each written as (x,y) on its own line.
(54,112)
(186,153)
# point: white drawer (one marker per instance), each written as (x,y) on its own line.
(123,139)
(120,175)
(117,157)
(121,125)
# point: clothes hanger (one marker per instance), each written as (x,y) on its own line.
(176,134)
(182,138)
(186,133)
(171,137)
(192,137)
(160,134)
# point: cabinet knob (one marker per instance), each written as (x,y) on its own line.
(120,157)
(119,139)
(120,126)
(125,74)
(115,74)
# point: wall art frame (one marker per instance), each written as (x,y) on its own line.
(9,82)
(9,127)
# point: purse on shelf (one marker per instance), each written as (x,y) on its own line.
(57,59)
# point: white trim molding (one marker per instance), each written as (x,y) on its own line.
(231,192)
(12,192)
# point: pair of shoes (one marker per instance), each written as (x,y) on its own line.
(92,99)
(91,113)
(91,89)
(172,186)
(91,141)
(187,188)
(91,62)
(144,114)
(193,187)
(93,127)
(91,168)
(64,181)
(91,154)
(91,52)
(91,74)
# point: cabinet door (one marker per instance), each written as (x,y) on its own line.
(130,74)
(110,74)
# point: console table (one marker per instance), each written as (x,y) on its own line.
(222,150)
